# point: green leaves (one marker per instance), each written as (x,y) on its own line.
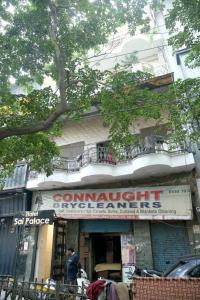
(26,110)
(38,150)
(125,101)
(182,101)
(52,38)
(184,25)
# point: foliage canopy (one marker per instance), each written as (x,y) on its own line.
(51,39)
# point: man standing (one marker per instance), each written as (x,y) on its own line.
(71,267)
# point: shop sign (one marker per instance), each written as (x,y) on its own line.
(128,271)
(34,218)
(146,203)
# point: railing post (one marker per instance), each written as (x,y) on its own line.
(1,285)
(41,289)
(82,290)
(14,289)
(57,290)
(35,288)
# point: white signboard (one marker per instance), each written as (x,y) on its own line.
(146,203)
(128,273)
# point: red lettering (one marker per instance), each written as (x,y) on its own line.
(128,196)
(79,197)
(57,197)
(116,198)
(91,197)
(156,194)
(145,195)
(67,197)
(102,196)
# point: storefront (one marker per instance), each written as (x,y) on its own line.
(169,241)
(112,229)
(15,254)
(27,224)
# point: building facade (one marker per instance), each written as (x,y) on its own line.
(18,243)
(116,212)
(139,209)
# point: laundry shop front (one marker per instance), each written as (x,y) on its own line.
(114,229)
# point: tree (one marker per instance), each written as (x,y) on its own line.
(127,101)
(183,98)
(182,103)
(176,106)
(50,39)
(184,26)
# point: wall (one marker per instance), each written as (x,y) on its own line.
(142,240)
(72,150)
(91,130)
(165,289)
(181,71)
(122,44)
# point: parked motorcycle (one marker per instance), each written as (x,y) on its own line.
(143,272)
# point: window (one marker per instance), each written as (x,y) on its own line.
(195,272)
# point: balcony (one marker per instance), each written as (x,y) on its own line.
(153,156)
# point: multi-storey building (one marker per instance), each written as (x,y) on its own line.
(136,209)
(175,60)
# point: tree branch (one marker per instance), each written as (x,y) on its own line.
(63,105)
(59,55)
(42,126)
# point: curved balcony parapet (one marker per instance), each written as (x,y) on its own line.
(102,155)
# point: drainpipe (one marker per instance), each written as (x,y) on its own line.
(196,203)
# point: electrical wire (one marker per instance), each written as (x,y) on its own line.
(132,52)
(125,35)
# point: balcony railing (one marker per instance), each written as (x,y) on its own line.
(102,155)
(70,165)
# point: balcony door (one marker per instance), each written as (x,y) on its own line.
(104,155)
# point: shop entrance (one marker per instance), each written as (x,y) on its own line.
(107,248)
(59,249)
(100,247)
(106,256)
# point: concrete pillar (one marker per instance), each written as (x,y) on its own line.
(142,238)
(73,234)
(193,229)
(196,187)
(44,252)
(196,241)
